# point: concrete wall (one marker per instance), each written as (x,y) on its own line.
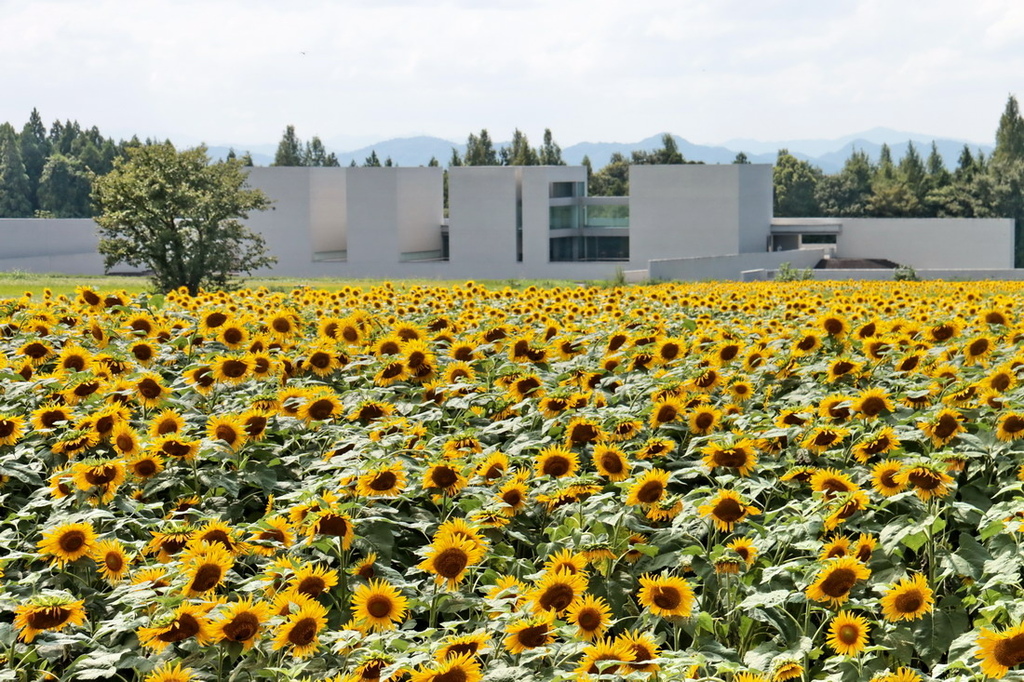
(699,210)
(930,243)
(482,217)
(729,267)
(65,245)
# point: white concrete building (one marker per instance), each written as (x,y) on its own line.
(537,222)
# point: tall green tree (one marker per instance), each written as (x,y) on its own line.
(372,161)
(316,155)
(795,182)
(847,192)
(913,173)
(179,215)
(64,188)
(613,179)
(480,150)
(520,153)
(550,153)
(15,191)
(289,149)
(669,152)
(741,158)
(1009,134)
(35,148)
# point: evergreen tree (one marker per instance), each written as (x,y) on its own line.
(15,200)
(35,148)
(372,161)
(316,155)
(433,163)
(847,192)
(586,164)
(455,160)
(64,188)
(520,153)
(669,152)
(289,149)
(885,168)
(550,153)
(388,163)
(231,154)
(480,150)
(912,172)
(741,158)
(1009,134)
(938,176)
(247,160)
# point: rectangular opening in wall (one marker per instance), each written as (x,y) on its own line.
(565,190)
(564,217)
(563,249)
(818,239)
(605,248)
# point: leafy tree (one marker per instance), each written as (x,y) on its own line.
(741,158)
(795,182)
(64,188)
(613,179)
(388,163)
(1010,134)
(178,215)
(480,150)
(433,163)
(847,192)
(289,149)
(231,155)
(247,160)
(550,153)
(520,153)
(586,164)
(15,199)
(669,152)
(455,159)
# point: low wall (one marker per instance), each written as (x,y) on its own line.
(67,245)
(731,267)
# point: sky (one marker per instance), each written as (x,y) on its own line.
(354,72)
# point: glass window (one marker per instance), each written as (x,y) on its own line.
(818,239)
(564,217)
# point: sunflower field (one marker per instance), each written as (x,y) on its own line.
(736,482)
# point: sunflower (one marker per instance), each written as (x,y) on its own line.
(556,462)
(176,447)
(835,580)
(928,481)
(845,507)
(726,509)
(101,477)
(978,349)
(386,481)
(786,668)
(149,390)
(228,429)
(611,463)
(740,456)
(47,613)
(371,669)
(703,420)
(908,599)
(513,497)
(1000,651)
(836,547)
(449,557)
(835,408)
(871,403)
(557,591)
(229,369)
(745,548)
(167,543)
(299,633)
(666,411)
(878,443)
(848,634)
(603,657)
(378,605)
(11,429)
(885,478)
(313,581)
(566,560)
(655,447)
(822,438)
(185,622)
(273,534)
(464,668)
(474,644)
(591,616)
(205,566)
(68,542)
(219,533)
(444,477)
(1010,427)
(319,408)
(165,423)
(493,466)
(644,650)
(666,596)
(334,524)
(50,416)
(111,559)
(241,622)
(168,672)
(831,482)
(649,489)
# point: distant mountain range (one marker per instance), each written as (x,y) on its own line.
(829,155)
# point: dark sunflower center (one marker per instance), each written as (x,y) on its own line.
(7,427)
(207,577)
(707,379)
(214,320)
(443,477)
(242,627)
(527,386)
(589,620)
(825,438)
(72,541)
(149,388)
(303,632)
(226,433)
(371,412)
(233,369)
(704,421)
(909,602)
(807,343)
(312,586)
(872,406)
(320,360)
(584,433)
(924,479)
(512,497)
(332,524)
(1010,651)
(50,418)
(612,463)
(947,426)
(978,347)
(849,634)
(183,627)
(533,636)
(733,457)
(48,618)
(385,480)
(450,563)
(666,597)
(557,597)
(666,413)
(321,409)
(379,606)
(101,475)
(556,466)
(456,674)
(842,367)
(839,582)
(1013,424)
(650,492)
(729,510)
(175,448)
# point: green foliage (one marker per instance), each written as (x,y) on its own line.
(480,150)
(795,183)
(15,195)
(787,273)
(1010,134)
(905,273)
(550,153)
(289,149)
(178,215)
(64,188)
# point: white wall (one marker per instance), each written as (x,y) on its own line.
(482,217)
(930,242)
(59,245)
(729,267)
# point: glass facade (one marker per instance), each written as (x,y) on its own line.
(607,216)
(565,218)
(564,249)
